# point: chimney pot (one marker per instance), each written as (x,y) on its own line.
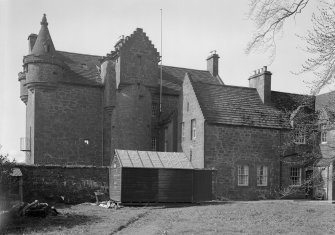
(261,80)
(31,42)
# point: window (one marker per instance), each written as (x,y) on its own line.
(323,134)
(188,106)
(183,131)
(84,66)
(262,175)
(165,140)
(295,176)
(154,109)
(47,48)
(300,136)
(165,146)
(191,154)
(193,129)
(243,176)
(86,142)
(153,144)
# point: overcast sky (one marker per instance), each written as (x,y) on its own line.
(191,29)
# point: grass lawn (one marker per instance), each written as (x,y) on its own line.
(261,217)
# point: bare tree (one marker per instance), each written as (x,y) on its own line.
(270,16)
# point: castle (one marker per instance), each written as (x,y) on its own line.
(80,108)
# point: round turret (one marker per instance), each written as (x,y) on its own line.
(43,65)
(109,80)
(133,118)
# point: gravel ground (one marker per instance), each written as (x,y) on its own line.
(262,217)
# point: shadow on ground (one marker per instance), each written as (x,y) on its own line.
(23,225)
(176,205)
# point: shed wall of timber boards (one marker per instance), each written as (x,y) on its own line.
(152,184)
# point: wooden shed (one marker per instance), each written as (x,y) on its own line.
(145,176)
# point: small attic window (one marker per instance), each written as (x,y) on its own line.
(84,66)
(47,48)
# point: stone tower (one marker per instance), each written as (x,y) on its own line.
(63,104)
(136,73)
(42,69)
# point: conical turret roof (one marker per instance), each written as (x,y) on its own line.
(43,44)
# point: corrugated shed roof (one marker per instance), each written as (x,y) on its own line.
(149,159)
(82,69)
(236,106)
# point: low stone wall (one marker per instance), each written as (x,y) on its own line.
(69,184)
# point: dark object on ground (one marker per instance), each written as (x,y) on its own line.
(35,209)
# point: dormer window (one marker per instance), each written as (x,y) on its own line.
(323,134)
(47,48)
(300,136)
(84,66)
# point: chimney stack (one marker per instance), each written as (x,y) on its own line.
(213,64)
(31,41)
(261,80)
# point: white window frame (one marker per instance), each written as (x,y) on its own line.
(295,176)
(243,175)
(153,144)
(193,129)
(262,176)
(300,136)
(323,134)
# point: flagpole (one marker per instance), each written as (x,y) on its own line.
(161,70)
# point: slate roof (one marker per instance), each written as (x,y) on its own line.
(81,68)
(173,77)
(235,105)
(149,159)
(289,102)
(326,100)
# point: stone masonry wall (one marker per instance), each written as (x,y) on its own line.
(189,109)
(227,146)
(138,60)
(131,119)
(76,184)
(68,125)
(30,126)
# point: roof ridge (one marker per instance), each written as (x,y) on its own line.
(224,85)
(203,70)
(293,93)
(78,53)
